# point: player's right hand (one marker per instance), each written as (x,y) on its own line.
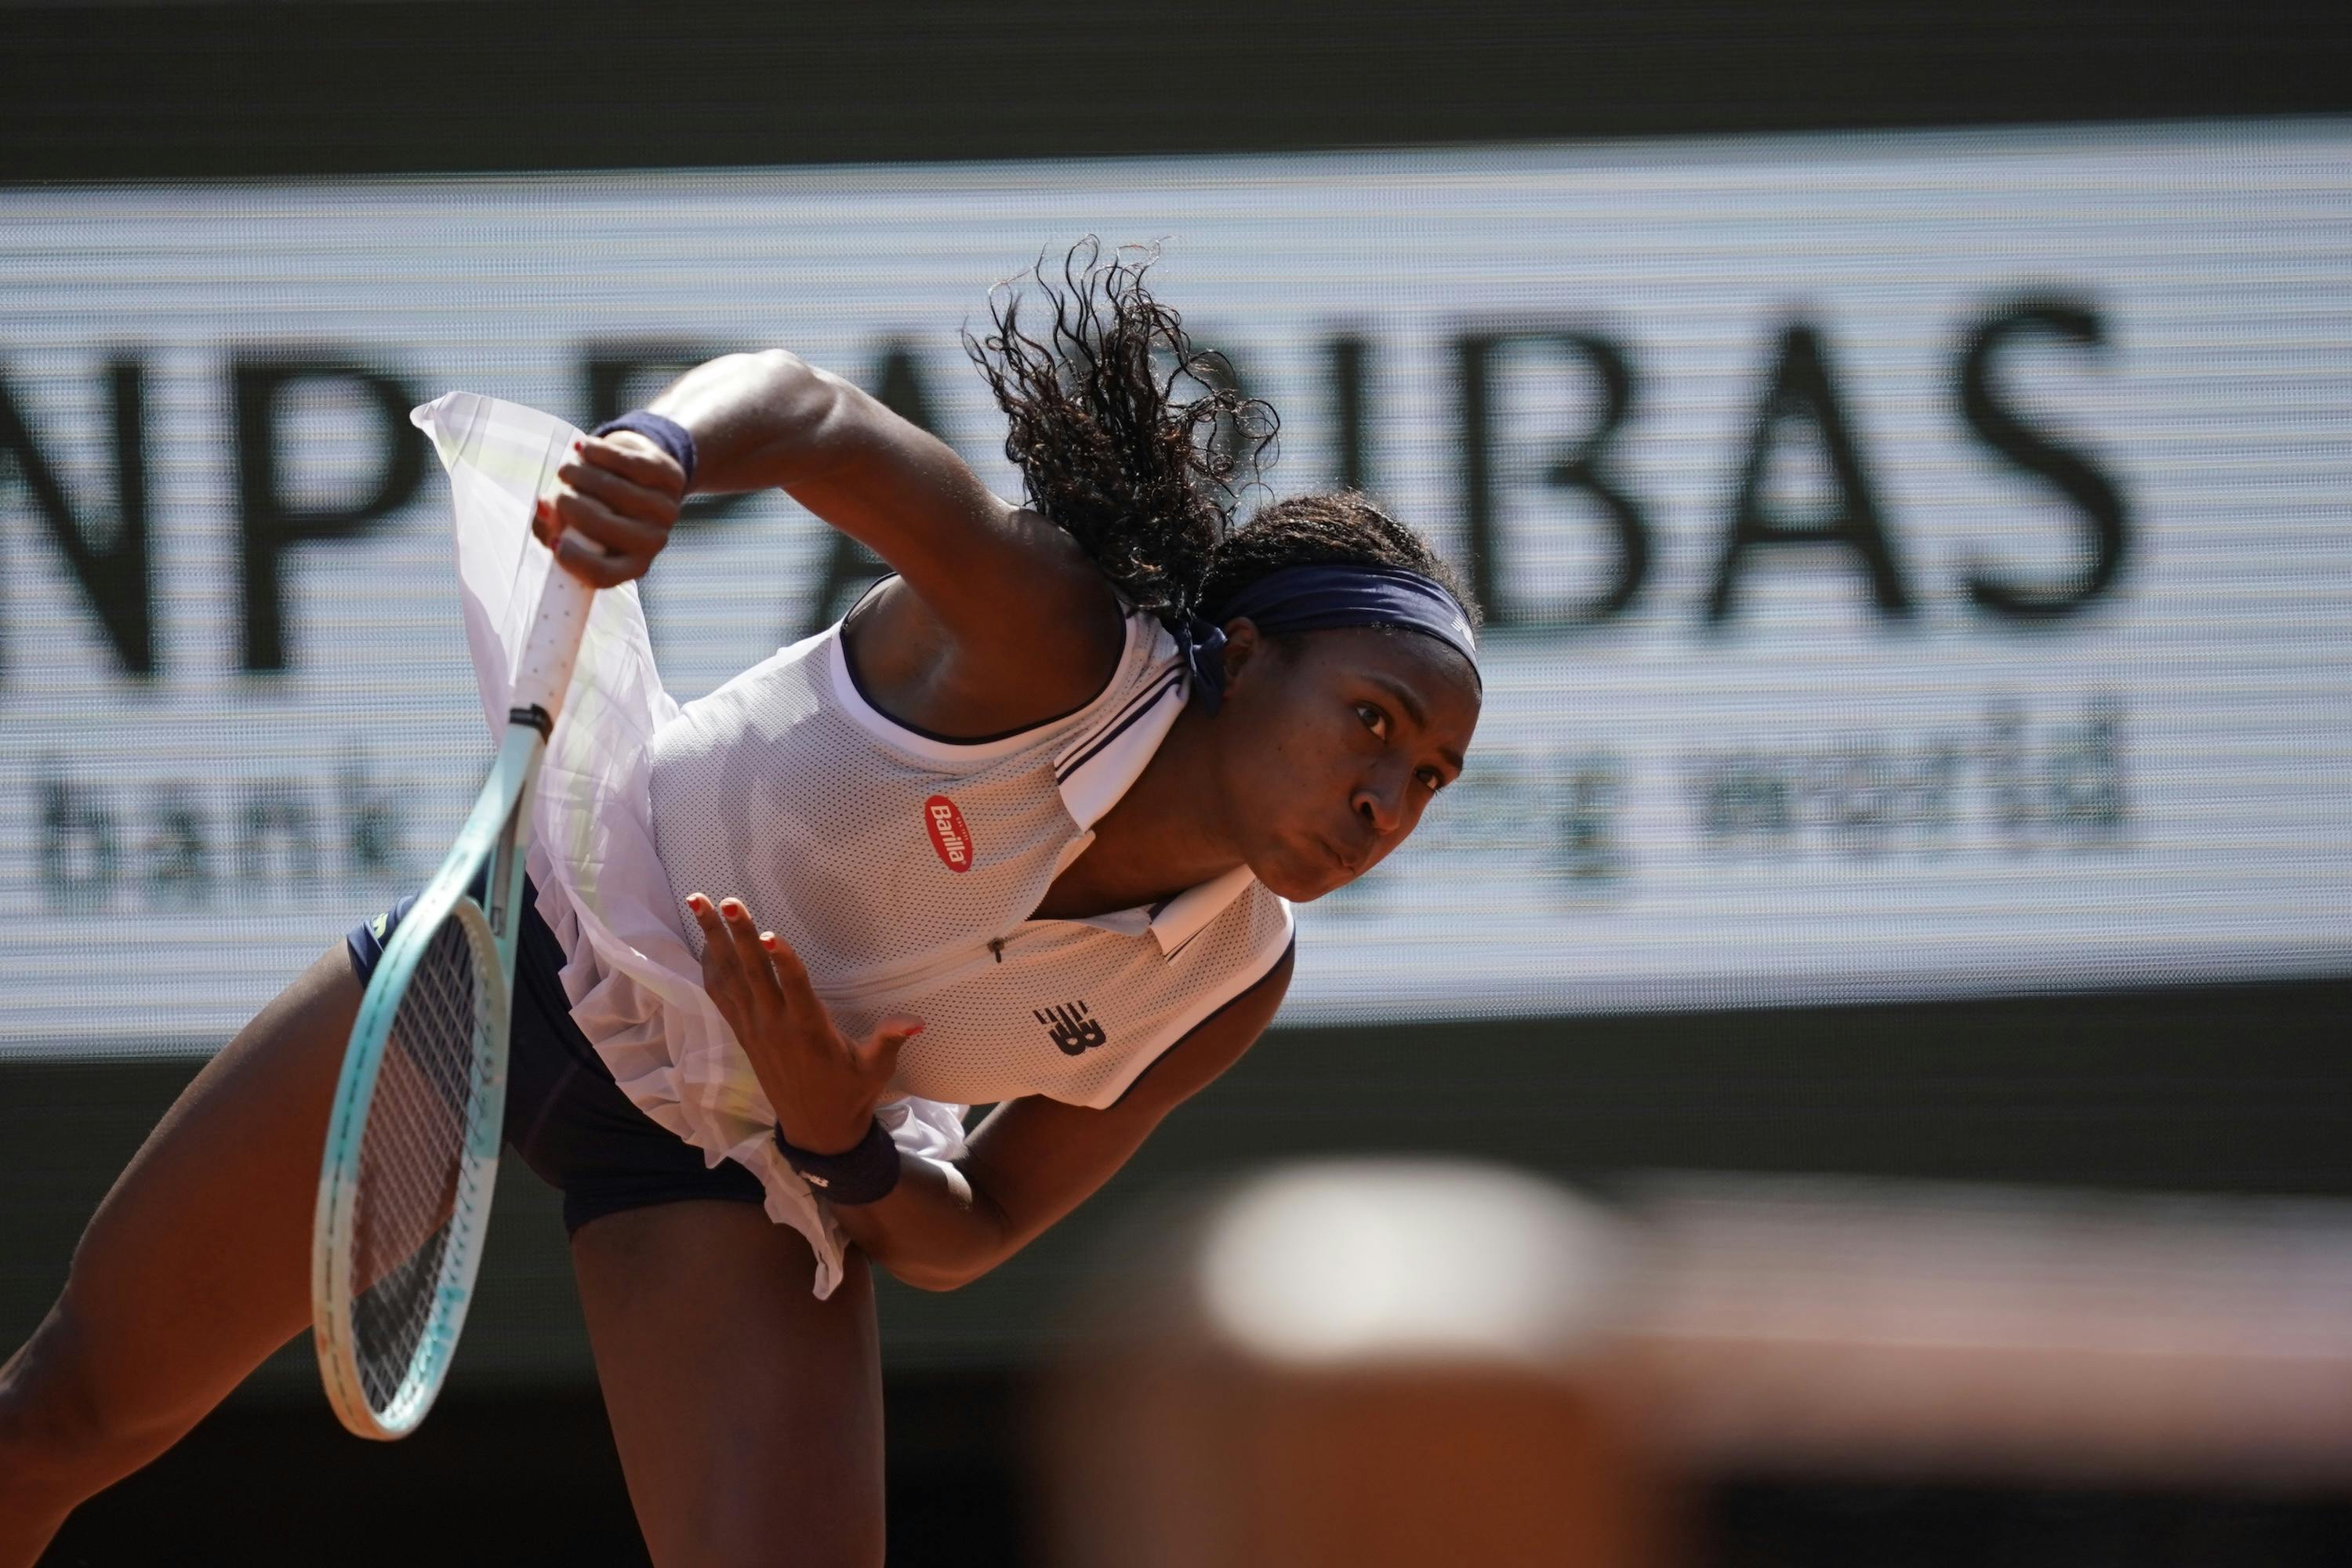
(610,506)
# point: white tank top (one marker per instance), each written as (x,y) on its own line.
(903,869)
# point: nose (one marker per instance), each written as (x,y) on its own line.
(1381,803)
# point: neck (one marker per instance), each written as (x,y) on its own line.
(1168,832)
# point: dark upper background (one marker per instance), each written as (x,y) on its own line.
(139,91)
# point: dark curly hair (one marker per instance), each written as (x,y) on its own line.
(1144,480)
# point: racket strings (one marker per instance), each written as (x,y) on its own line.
(414,1177)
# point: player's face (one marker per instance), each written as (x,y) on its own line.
(1335,743)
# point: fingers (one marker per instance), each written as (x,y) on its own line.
(737,975)
(795,995)
(749,960)
(742,938)
(643,503)
(876,1055)
(581,542)
(637,459)
(715,948)
(791,975)
(756,973)
(722,968)
(570,511)
(596,566)
(614,500)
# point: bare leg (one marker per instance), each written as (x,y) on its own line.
(748,1413)
(194,1268)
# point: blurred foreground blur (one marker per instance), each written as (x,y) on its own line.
(1394,1362)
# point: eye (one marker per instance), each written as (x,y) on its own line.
(1374,719)
(1433,778)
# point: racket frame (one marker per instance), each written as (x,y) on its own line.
(522,455)
(495,832)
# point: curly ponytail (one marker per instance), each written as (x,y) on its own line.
(1145,482)
(1106,449)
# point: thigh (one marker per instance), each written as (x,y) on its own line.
(748,1413)
(196,1265)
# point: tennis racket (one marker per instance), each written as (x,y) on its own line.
(413,1140)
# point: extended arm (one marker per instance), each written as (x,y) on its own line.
(1034,1160)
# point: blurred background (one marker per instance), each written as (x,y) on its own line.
(1903,450)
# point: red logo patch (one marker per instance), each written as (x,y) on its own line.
(949,834)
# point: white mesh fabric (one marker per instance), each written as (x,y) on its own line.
(787,790)
(768,790)
(984,1041)
(784,788)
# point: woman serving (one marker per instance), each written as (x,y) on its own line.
(1022,828)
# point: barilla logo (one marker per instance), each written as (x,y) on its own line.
(949,834)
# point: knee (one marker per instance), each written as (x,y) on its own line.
(61,1437)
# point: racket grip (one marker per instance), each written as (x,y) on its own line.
(553,646)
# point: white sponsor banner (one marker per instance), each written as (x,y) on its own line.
(1922,563)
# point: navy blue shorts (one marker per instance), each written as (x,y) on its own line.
(565,1116)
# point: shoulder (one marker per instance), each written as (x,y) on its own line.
(882,673)
(1037,649)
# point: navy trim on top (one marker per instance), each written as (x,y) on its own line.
(1137,709)
(1146,695)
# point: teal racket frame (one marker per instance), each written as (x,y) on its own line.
(508,454)
(493,834)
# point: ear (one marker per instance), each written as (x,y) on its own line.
(1244,647)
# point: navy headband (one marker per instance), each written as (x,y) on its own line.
(1325,598)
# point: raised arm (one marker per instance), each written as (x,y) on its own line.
(1001,620)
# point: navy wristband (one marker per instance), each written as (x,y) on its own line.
(864,1174)
(668,434)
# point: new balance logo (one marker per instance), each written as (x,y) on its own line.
(1070,1029)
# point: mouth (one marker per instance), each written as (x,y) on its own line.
(1348,865)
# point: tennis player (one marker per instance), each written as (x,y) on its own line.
(1022,829)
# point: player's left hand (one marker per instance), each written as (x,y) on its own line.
(823,1085)
(610,508)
